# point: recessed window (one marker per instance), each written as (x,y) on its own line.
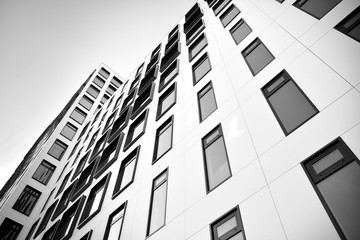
(157,213)
(154,60)
(257,56)
(198,27)
(156,50)
(50,233)
(128,100)
(199,44)
(171,41)
(93,91)
(63,183)
(136,129)
(109,121)
(44,172)
(121,122)
(166,101)
(84,181)
(192,17)
(104,99)
(92,140)
(173,31)
(30,233)
(27,200)
(86,102)
(81,165)
(116,82)
(228,226)
(316,8)
(217,168)
(291,106)
(104,73)
(102,119)
(47,200)
(114,223)
(78,115)
(350,25)
(240,31)
(169,74)
(57,150)
(110,90)
(173,52)
(99,81)
(229,15)
(207,101)
(201,68)
(163,140)
(9,229)
(64,201)
(99,146)
(126,172)
(69,131)
(134,84)
(118,101)
(334,172)
(46,218)
(143,100)
(220,5)
(83,131)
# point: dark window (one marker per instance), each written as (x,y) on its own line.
(81,165)
(92,140)
(48,198)
(87,236)
(169,74)
(77,157)
(350,25)
(290,105)
(117,83)
(201,68)
(84,181)
(83,131)
(172,53)
(334,172)
(173,31)
(128,100)
(104,73)
(220,5)
(57,150)
(114,223)
(257,56)
(46,218)
(136,129)
(192,17)
(280,1)
(148,79)
(207,101)
(63,183)
(157,213)
(69,131)
(126,172)
(64,201)
(99,81)
(95,200)
(44,172)
(166,101)
(50,233)
(93,91)
(217,168)
(228,226)
(109,121)
(86,102)
(96,118)
(171,41)
(110,102)
(110,90)
(139,70)
(118,101)
(134,84)
(27,200)
(124,86)
(163,140)
(103,119)
(240,31)
(229,15)
(316,8)
(199,44)
(120,123)
(62,171)
(99,146)
(143,100)
(78,115)
(104,99)
(9,229)
(195,31)
(154,60)
(31,231)
(156,50)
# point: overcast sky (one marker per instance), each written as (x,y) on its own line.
(48,48)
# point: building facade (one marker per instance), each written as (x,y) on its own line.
(243,123)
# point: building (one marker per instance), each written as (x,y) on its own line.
(243,123)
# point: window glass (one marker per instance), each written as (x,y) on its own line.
(64,182)
(9,229)
(207,102)
(103,72)
(169,74)
(351,25)
(136,129)
(27,200)
(68,131)
(114,224)
(57,149)
(64,200)
(316,8)
(220,5)
(228,227)
(199,44)
(86,102)
(109,155)
(98,81)
(104,99)
(110,90)
(44,172)
(229,15)
(93,91)
(46,218)
(257,56)
(201,68)
(78,115)
(117,83)
(240,31)
(163,141)
(166,100)
(30,233)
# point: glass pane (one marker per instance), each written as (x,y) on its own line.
(164,141)
(230,16)
(212,136)
(56,151)
(341,192)
(128,173)
(171,74)
(241,32)
(96,203)
(351,21)
(327,161)
(216,163)
(93,91)
(276,83)
(259,58)
(207,104)
(68,132)
(43,173)
(226,226)
(195,49)
(99,81)
(86,103)
(291,106)
(159,179)
(202,69)
(355,32)
(78,116)
(115,229)
(138,129)
(168,101)
(157,218)
(238,236)
(319,8)
(221,6)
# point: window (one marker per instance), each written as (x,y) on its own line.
(139,70)
(228,226)
(50,233)
(240,31)
(83,131)
(126,172)
(153,61)
(104,99)
(63,183)
(350,25)
(110,90)
(334,172)
(96,118)
(102,119)
(93,91)
(173,31)
(195,31)
(95,200)
(290,105)
(81,165)
(120,123)
(156,50)
(220,5)
(48,198)
(207,101)
(64,201)
(136,129)
(77,157)
(316,8)
(169,74)
(44,172)
(128,100)
(62,171)
(99,81)
(69,131)
(217,168)
(118,101)
(166,101)
(229,15)
(92,140)
(171,41)
(116,82)
(114,223)
(86,102)
(163,140)
(78,115)
(134,84)
(99,146)
(9,229)
(46,218)
(199,44)
(57,150)
(31,231)
(109,121)
(157,213)
(143,100)
(201,68)
(27,200)
(87,236)
(104,73)
(173,52)
(192,17)
(84,181)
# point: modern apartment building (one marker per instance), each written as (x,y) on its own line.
(242,123)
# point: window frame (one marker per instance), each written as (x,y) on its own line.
(80,112)
(197,64)
(70,126)
(46,218)
(163,127)
(165,95)
(299,3)
(174,66)
(116,130)
(62,145)
(196,42)
(229,10)
(9,224)
(218,7)
(202,95)
(52,169)
(64,200)
(236,27)
(86,175)
(131,140)
(89,100)
(340,26)
(143,100)
(27,191)
(122,207)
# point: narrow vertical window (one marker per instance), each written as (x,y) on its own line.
(31,231)
(240,31)
(207,102)
(64,201)
(199,44)
(44,172)
(157,213)
(334,172)
(201,68)
(57,150)
(217,168)
(27,200)
(9,229)
(229,15)
(163,140)
(316,8)
(350,25)
(228,227)
(290,105)
(69,131)
(46,218)
(114,224)
(166,101)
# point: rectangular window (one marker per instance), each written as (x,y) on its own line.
(9,229)
(220,5)
(86,102)
(93,139)
(93,91)
(114,223)
(290,105)
(334,172)
(116,82)
(316,8)
(99,146)
(350,25)
(198,27)
(166,101)
(58,149)
(173,52)
(229,15)
(44,172)
(84,181)
(118,101)
(104,99)
(157,213)
(153,61)
(163,140)
(173,31)
(257,56)
(83,131)
(27,200)
(199,44)
(207,101)
(64,201)
(217,168)
(104,73)
(69,131)
(99,81)
(78,115)
(169,74)
(139,70)
(110,90)
(136,129)
(120,123)
(240,31)
(46,218)
(128,100)
(201,68)
(156,50)
(134,84)
(144,99)
(229,226)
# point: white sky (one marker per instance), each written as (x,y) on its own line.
(48,48)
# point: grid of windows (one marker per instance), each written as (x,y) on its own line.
(44,172)
(27,200)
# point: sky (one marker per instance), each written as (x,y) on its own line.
(48,48)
